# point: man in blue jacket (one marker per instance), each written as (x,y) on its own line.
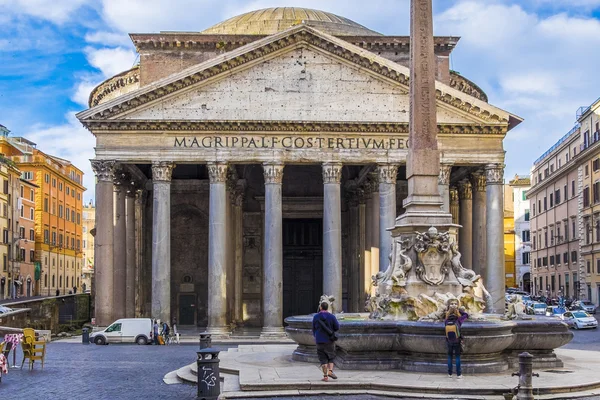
(324,324)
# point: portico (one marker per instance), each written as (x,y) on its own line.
(269,175)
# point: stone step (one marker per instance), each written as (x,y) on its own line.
(189,375)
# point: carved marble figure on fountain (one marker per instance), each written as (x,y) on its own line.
(516,308)
(395,274)
(325,298)
(471,282)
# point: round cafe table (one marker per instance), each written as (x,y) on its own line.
(13,339)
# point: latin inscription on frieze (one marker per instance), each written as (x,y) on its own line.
(290,142)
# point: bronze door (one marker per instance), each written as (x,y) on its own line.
(302,265)
(187,309)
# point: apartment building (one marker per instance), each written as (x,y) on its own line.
(58,208)
(519,187)
(29,268)
(554,198)
(89,222)
(589,205)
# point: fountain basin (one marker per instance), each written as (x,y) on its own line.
(490,346)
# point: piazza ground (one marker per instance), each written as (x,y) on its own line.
(116,372)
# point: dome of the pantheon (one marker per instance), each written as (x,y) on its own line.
(272,20)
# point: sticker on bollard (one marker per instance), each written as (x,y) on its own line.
(209,380)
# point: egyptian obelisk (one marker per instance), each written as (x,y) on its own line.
(424,204)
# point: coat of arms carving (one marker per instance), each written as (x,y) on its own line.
(433,254)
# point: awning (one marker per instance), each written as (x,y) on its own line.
(18,283)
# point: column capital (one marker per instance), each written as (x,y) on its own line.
(478,180)
(332,173)
(494,174)
(453,195)
(388,173)
(444,176)
(162,170)
(217,172)
(104,170)
(352,198)
(465,190)
(273,173)
(121,179)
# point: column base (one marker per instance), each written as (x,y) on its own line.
(271,332)
(218,332)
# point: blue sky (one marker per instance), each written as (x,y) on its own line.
(535,58)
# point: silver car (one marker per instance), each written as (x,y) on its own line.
(537,308)
(579,320)
(585,305)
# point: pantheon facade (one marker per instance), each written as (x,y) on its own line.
(245,170)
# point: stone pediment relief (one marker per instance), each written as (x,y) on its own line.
(301,85)
(297,75)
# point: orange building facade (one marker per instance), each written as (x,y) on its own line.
(57,222)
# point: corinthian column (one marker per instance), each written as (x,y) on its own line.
(103,241)
(131,252)
(494,280)
(479,231)
(444,186)
(273,253)
(465,234)
(217,257)
(161,240)
(332,232)
(454,207)
(119,247)
(387,210)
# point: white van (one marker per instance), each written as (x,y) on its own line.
(125,330)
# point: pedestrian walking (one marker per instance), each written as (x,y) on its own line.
(325,326)
(455,316)
(57,292)
(155,332)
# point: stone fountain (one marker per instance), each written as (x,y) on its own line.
(404,327)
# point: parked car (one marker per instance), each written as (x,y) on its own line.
(537,308)
(125,330)
(554,311)
(579,320)
(4,309)
(584,305)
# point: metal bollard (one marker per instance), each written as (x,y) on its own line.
(205,340)
(525,374)
(85,336)
(209,380)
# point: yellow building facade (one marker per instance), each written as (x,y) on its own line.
(509,239)
(58,214)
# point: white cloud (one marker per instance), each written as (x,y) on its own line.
(108,38)
(56,11)
(110,61)
(83,90)
(538,66)
(532,82)
(70,141)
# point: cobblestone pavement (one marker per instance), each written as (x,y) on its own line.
(116,372)
(113,372)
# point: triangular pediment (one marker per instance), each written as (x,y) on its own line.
(298,75)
